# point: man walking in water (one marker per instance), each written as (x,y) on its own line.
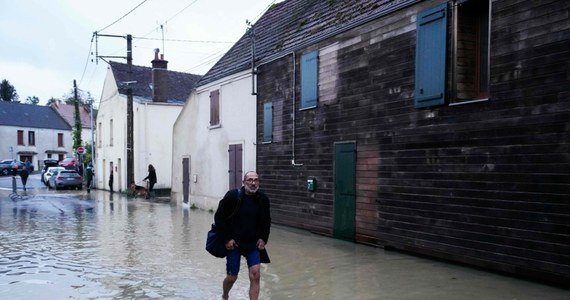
(243,221)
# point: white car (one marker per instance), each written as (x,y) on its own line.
(50,171)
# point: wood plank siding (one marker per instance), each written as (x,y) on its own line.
(485,183)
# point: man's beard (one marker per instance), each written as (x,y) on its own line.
(251,190)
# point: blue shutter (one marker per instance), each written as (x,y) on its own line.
(267,122)
(309,65)
(431,46)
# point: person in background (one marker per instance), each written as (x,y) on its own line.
(111,181)
(28,165)
(14,168)
(151,179)
(89,176)
(24,176)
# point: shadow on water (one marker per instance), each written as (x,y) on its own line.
(74,245)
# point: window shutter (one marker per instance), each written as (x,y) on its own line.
(267,122)
(309,65)
(431,47)
(214,107)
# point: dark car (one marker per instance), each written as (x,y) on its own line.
(7,165)
(48,163)
(65,179)
(69,163)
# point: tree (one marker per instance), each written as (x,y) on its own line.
(33,100)
(7,91)
(77,117)
(52,100)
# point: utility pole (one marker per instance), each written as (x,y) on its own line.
(130,140)
(130,126)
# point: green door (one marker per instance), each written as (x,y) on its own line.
(345,191)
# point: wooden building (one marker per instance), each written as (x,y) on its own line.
(436,127)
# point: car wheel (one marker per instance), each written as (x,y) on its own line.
(5,172)
(80,187)
(55,187)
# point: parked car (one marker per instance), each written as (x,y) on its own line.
(48,163)
(69,163)
(5,167)
(49,172)
(65,179)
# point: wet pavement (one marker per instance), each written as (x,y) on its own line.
(75,245)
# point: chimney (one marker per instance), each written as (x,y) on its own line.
(160,81)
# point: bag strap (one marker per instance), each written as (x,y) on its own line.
(236,208)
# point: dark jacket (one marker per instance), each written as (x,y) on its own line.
(151,176)
(227,206)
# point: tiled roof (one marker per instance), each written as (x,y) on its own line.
(181,84)
(67,111)
(29,115)
(293,24)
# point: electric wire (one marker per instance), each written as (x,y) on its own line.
(119,19)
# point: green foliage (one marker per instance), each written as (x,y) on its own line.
(33,100)
(77,127)
(8,92)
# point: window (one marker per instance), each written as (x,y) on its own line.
(20,137)
(99,135)
(267,122)
(31,138)
(309,82)
(215,108)
(469,55)
(60,140)
(111,132)
(471,68)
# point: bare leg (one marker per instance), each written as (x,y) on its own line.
(254,276)
(227,285)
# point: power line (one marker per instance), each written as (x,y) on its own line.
(123,16)
(184,41)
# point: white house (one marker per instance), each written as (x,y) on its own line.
(67,112)
(158,98)
(33,132)
(215,134)
(214,140)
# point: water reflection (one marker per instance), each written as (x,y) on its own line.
(100,246)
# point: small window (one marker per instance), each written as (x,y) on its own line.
(309,79)
(468,73)
(215,108)
(111,132)
(267,122)
(20,137)
(60,140)
(471,69)
(31,138)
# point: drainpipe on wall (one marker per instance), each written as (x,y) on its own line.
(293,163)
(294,82)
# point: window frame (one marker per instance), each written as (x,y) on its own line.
(31,138)
(215,109)
(20,138)
(309,80)
(60,140)
(444,76)
(268,122)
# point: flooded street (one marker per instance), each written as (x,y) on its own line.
(74,245)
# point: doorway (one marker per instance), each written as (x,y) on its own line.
(345,191)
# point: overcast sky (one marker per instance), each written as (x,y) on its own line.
(45,45)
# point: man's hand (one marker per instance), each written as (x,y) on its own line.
(260,244)
(231,245)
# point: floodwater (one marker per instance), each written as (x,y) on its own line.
(74,245)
